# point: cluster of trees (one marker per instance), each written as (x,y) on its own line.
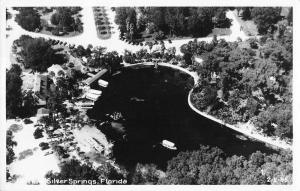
(265,18)
(110,60)
(38,133)
(246,81)
(10,143)
(28,18)
(212,166)
(10,155)
(13,91)
(207,165)
(37,54)
(66,88)
(8,15)
(97,57)
(160,22)
(64,21)
(18,103)
(74,169)
(166,55)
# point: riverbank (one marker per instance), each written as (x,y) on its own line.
(246,129)
(193,74)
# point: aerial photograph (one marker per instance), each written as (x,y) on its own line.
(147,95)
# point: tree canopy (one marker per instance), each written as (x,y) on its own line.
(28,18)
(162,22)
(246,81)
(209,165)
(265,18)
(13,91)
(38,54)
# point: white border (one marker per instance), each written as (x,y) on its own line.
(296,80)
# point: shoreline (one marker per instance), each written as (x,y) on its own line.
(242,128)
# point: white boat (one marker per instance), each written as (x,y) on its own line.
(168,144)
(84,104)
(102,83)
(93,91)
(91,96)
(241,137)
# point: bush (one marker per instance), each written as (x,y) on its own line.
(159,35)
(28,18)
(205,97)
(27,121)
(15,128)
(253,43)
(8,15)
(25,153)
(13,91)
(38,55)
(38,133)
(55,19)
(44,146)
(61,151)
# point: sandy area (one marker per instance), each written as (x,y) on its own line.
(32,168)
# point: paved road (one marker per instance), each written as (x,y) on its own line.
(89,35)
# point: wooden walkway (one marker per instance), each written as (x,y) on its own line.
(95,77)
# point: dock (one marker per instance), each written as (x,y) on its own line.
(90,80)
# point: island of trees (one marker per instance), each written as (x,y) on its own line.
(63,20)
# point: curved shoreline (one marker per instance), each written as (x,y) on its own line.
(238,127)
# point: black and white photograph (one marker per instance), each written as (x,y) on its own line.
(166,94)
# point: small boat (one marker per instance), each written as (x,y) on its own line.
(136,99)
(168,144)
(116,73)
(241,137)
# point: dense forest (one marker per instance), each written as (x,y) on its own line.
(265,18)
(162,22)
(244,81)
(207,165)
(28,18)
(18,103)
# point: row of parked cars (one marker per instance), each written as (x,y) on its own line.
(102,23)
(139,41)
(58,42)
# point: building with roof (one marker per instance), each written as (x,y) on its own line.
(40,85)
(41,112)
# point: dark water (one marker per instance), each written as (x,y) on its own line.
(155,107)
